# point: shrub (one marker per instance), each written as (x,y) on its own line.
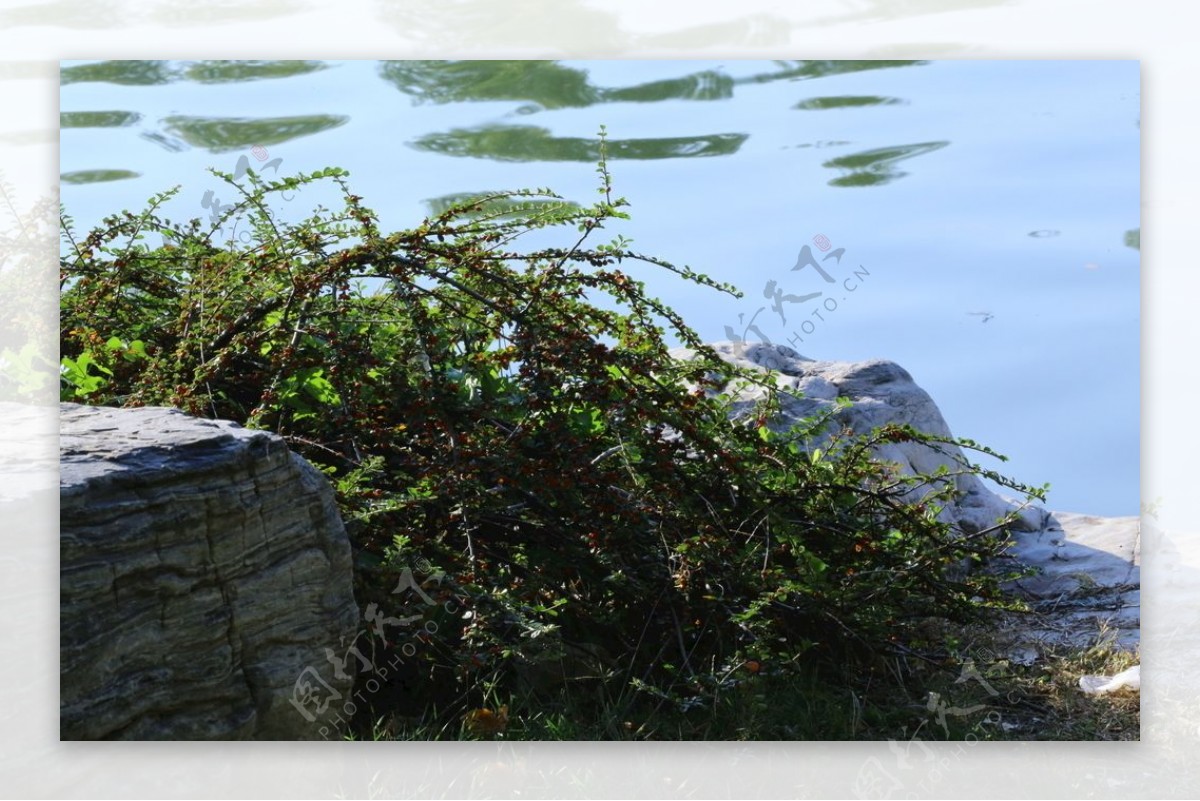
(532,486)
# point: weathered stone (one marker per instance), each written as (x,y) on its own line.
(879,392)
(1087,588)
(1087,585)
(205,582)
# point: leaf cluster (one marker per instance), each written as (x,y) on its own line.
(524,470)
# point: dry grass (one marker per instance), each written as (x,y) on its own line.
(977,687)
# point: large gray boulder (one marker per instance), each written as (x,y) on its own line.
(1086,583)
(879,392)
(206,586)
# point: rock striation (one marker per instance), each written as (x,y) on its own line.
(1087,583)
(205,582)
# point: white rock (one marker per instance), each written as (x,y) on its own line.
(1088,583)
(880,392)
(1088,586)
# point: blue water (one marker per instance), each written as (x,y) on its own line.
(989,212)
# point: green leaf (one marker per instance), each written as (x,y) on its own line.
(77,373)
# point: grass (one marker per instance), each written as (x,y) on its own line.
(964,689)
(1004,700)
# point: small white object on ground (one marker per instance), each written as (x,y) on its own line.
(1095,685)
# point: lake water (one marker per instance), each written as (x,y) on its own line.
(979,221)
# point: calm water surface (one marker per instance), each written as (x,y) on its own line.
(980,221)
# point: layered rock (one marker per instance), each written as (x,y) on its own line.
(206,586)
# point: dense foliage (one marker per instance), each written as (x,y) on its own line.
(542,502)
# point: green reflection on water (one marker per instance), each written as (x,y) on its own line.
(878,166)
(127,73)
(530,143)
(97,119)
(707,85)
(237,71)
(96,176)
(497,207)
(149,73)
(805,70)
(547,83)
(552,85)
(823,103)
(219,134)
(171,145)
(541,85)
